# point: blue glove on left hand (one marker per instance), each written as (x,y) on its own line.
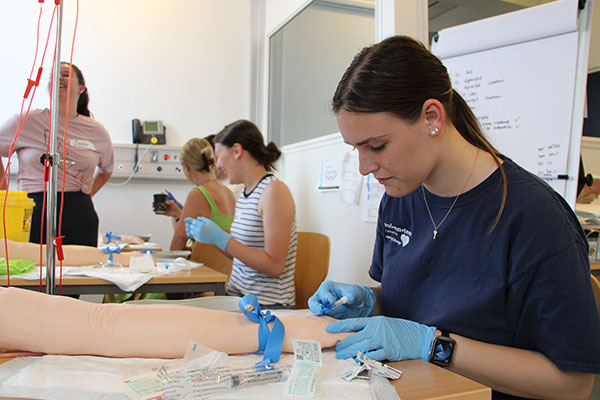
(204,230)
(383,338)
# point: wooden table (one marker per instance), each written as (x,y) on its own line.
(199,279)
(421,380)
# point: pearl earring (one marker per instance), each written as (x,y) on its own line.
(434,132)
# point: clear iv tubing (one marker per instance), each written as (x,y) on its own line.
(204,383)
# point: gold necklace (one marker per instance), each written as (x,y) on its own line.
(436,227)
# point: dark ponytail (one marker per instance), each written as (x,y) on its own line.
(249,137)
(464,120)
(84,98)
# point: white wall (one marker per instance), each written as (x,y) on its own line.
(183,61)
(186,62)
(128,209)
(351,239)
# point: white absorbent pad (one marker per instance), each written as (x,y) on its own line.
(127,279)
(99,378)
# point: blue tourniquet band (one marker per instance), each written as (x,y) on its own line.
(270,343)
(110,250)
(110,236)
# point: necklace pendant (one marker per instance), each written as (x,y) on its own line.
(434,233)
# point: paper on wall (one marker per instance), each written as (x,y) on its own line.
(351,179)
(372,192)
(331,173)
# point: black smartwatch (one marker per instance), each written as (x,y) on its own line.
(442,349)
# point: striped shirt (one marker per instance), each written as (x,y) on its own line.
(248,229)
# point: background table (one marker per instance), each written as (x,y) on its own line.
(199,279)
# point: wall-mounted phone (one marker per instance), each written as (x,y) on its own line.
(148,132)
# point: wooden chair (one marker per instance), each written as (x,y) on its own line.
(212,257)
(312,264)
(596,287)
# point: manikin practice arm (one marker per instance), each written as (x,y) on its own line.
(43,323)
(74,254)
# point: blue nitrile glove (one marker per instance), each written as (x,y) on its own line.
(203,230)
(383,338)
(361,300)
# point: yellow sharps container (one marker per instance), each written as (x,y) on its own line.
(19,209)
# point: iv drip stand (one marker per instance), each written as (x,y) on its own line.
(55,160)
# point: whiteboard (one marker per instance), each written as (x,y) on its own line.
(520,73)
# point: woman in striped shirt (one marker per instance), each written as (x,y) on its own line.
(263,234)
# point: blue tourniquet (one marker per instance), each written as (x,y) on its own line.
(108,250)
(270,343)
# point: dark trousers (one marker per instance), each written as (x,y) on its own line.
(79,219)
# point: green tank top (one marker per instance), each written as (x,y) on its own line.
(216,216)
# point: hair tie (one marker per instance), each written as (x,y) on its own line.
(207,163)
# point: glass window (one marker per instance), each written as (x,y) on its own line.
(308,56)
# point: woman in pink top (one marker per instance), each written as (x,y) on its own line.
(89,160)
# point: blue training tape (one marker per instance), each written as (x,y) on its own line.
(110,236)
(110,252)
(270,343)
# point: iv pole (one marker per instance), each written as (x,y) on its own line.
(54,162)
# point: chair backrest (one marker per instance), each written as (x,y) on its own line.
(212,257)
(312,264)
(596,287)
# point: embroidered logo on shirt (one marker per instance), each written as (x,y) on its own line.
(400,236)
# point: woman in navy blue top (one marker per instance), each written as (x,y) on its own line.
(483,267)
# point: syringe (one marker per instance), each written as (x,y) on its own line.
(327,307)
(201,383)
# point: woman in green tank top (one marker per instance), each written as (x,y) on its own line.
(209,198)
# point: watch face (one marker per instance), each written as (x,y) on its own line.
(442,349)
